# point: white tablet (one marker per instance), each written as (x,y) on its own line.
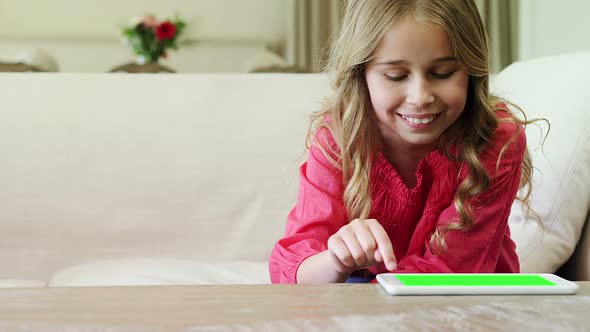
(475,284)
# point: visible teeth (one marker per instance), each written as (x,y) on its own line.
(420,121)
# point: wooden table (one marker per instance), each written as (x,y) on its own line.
(338,307)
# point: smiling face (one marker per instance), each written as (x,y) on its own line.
(417,87)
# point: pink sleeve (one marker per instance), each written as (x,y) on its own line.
(477,250)
(318,214)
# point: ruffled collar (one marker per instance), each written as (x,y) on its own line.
(434,163)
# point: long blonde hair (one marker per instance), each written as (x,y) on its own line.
(352,122)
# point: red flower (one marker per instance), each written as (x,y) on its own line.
(165,30)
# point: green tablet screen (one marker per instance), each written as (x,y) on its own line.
(473,280)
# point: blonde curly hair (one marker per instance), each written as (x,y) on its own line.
(352,121)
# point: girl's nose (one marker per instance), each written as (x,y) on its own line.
(420,93)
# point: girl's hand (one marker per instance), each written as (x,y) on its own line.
(361,244)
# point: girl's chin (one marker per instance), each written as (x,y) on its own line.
(425,140)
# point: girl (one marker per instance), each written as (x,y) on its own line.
(413,166)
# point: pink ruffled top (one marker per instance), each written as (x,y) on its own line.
(410,215)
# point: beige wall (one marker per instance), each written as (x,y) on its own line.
(549,27)
(546,27)
(260,20)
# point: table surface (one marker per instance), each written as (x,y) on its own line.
(335,307)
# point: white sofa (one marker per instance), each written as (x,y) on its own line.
(187,179)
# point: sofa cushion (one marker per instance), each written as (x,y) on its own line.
(153,272)
(195,167)
(555,88)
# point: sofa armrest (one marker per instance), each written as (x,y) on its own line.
(577,268)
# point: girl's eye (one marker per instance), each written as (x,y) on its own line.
(396,78)
(442,76)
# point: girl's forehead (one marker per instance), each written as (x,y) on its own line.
(411,38)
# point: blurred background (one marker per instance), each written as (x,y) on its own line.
(237,36)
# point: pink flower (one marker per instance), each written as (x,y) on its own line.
(150,21)
(165,30)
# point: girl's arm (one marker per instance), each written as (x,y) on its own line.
(317,269)
(318,214)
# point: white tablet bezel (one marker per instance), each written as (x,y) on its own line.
(393,286)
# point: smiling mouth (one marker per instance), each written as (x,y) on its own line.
(421,120)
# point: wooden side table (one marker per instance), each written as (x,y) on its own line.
(18,67)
